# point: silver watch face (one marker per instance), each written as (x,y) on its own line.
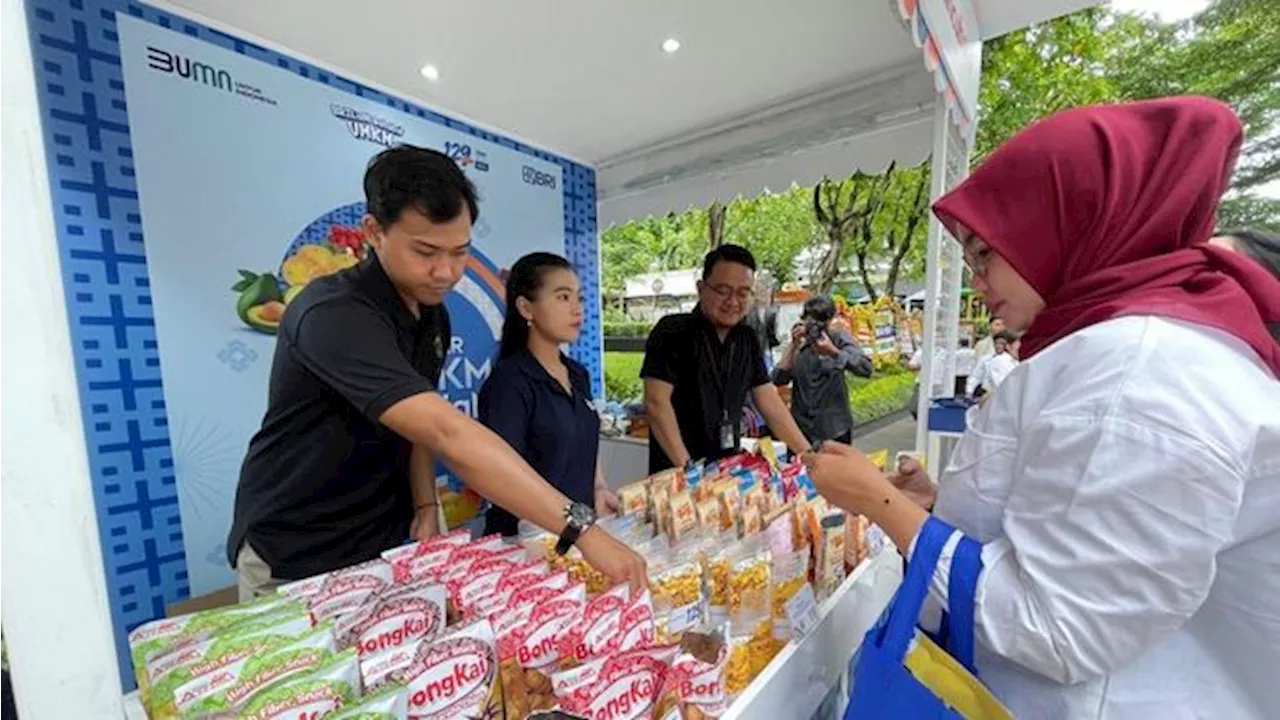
(580,516)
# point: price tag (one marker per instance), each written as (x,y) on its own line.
(802,612)
(682,619)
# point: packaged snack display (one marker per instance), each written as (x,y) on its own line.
(626,685)
(382,671)
(750,523)
(598,631)
(463,557)
(676,584)
(226,688)
(695,687)
(390,704)
(730,506)
(517,578)
(829,568)
(639,625)
(480,579)
(634,499)
(659,496)
(708,512)
(392,619)
(413,560)
(682,518)
(779,531)
(159,636)
(308,587)
(325,690)
(455,677)
(790,574)
(717,566)
(167,672)
(749,577)
(528,654)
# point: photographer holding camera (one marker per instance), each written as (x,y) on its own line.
(814,365)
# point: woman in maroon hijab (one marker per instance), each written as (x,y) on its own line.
(1125,479)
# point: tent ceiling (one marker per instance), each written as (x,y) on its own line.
(757,82)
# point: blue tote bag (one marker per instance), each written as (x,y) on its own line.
(902,672)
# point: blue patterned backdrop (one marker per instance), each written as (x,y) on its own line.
(104,267)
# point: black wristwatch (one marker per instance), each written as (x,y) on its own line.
(578,519)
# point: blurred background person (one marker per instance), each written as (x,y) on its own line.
(536,397)
(814,365)
(992,371)
(986,347)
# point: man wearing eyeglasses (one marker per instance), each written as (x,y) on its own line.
(699,367)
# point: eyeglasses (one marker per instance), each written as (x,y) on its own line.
(977,256)
(726,291)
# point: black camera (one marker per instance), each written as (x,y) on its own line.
(813,331)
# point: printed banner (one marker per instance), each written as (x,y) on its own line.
(249,180)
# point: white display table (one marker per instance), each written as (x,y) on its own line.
(808,679)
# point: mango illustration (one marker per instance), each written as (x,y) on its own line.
(307,264)
(255,290)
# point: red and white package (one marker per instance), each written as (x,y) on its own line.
(393,618)
(529,652)
(481,577)
(696,683)
(520,605)
(381,670)
(639,627)
(345,591)
(598,631)
(455,677)
(517,578)
(304,589)
(627,686)
(461,558)
(413,559)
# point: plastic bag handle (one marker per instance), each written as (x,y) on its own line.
(905,612)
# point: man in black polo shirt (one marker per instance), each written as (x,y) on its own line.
(698,368)
(343,466)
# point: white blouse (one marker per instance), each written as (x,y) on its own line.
(1125,484)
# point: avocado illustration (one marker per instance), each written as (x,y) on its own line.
(255,291)
(266,317)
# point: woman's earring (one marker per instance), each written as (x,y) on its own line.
(529,323)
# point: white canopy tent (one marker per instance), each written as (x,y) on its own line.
(761,94)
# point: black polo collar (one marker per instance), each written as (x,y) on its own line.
(373,280)
(532,369)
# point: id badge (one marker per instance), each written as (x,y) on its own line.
(726,434)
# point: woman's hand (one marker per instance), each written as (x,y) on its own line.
(845,477)
(610,556)
(914,482)
(426,523)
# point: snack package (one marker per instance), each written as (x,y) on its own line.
(855,543)
(461,559)
(708,513)
(749,577)
(160,636)
(829,565)
(682,518)
(634,499)
(392,704)
(481,579)
(639,627)
(779,531)
(750,523)
(392,619)
(224,689)
(730,506)
(695,686)
(790,574)
(327,689)
(598,631)
(455,677)
(659,497)
(627,685)
(342,591)
(411,560)
(517,578)
(529,653)
(717,563)
(304,589)
(676,584)
(751,648)
(167,672)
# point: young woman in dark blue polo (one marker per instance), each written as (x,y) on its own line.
(538,399)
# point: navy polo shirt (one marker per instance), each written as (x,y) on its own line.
(556,432)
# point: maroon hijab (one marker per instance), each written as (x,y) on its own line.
(1104,211)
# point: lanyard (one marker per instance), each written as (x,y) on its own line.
(720,378)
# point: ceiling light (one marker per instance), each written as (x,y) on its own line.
(430,72)
(670,45)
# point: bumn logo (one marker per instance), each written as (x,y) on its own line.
(193,70)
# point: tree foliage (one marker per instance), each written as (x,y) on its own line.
(875,226)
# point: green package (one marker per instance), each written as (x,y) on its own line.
(330,688)
(231,685)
